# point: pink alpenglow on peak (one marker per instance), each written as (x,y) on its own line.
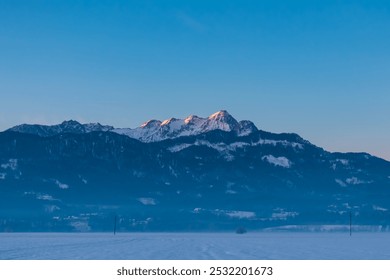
(221,120)
(192,119)
(168,121)
(219,115)
(151,123)
(154,130)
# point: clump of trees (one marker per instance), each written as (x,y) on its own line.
(241,230)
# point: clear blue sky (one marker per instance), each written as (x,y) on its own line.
(317,68)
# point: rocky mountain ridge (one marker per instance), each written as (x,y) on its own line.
(215,178)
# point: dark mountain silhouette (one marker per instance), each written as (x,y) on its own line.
(210,173)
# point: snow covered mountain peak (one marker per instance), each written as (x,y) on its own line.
(70,123)
(153,131)
(89,127)
(151,124)
(221,120)
(192,120)
(70,126)
(168,121)
(220,115)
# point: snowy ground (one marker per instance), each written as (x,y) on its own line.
(221,246)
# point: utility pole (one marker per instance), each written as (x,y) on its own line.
(115,225)
(350,223)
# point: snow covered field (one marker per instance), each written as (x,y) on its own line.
(261,245)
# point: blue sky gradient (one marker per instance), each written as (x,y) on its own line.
(317,68)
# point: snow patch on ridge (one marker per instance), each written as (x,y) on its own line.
(231,147)
(378,208)
(277,161)
(343,161)
(281,214)
(61,185)
(147,200)
(354,181)
(351,181)
(340,182)
(41,196)
(45,197)
(51,208)
(178,148)
(277,142)
(222,148)
(241,214)
(236,214)
(11,164)
(230,191)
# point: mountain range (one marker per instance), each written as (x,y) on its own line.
(191,174)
